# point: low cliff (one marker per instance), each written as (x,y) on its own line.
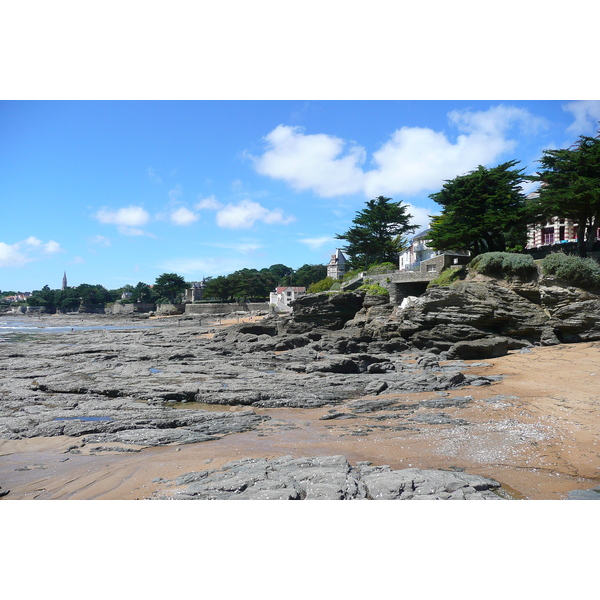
(478,317)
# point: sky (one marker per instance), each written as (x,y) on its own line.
(117,192)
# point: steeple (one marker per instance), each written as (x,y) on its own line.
(64,283)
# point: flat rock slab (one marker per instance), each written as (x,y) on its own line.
(326,478)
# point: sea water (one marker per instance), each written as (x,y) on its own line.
(9,326)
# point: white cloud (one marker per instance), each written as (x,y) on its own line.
(25,251)
(183,216)
(209,203)
(32,241)
(246,213)
(326,164)
(317,243)
(131,216)
(10,256)
(587,115)
(414,160)
(52,247)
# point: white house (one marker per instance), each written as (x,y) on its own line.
(283,296)
(336,269)
(419,251)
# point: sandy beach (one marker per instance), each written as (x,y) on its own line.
(537,432)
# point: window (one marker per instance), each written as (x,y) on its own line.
(548,235)
(431,268)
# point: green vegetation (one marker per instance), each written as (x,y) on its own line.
(321,286)
(504,264)
(483,211)
(578,271)
(374,269)
(571,189)
(170,287)
(374,289)
(251,284)
(376,234)
(449,276)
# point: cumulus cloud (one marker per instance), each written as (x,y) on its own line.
(326,164)
(130,216)
(209,203)
(183,216)
(52,247)
(244,214)
(25,251)
(412,161)
(128,219)
(587,115)
(10,256)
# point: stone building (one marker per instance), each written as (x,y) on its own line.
(336,269)
(196,292)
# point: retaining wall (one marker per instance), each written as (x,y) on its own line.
(222,308)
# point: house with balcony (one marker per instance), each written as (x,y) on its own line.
(418,255)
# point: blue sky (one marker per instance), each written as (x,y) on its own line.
(116,192)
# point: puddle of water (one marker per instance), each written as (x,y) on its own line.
(155,370)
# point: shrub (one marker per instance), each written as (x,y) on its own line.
(581,272)
(321,286)
(374,290)
(449,276)
(504,264)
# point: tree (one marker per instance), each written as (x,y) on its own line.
(170,286)
(376,236)
(218,287)
(571,189)
(482,211)
(308,274)
(142,292)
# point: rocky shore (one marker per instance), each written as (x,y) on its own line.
(351,366)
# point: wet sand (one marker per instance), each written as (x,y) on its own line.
(540,439)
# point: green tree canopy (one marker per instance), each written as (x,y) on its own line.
(571,188)
(308,274)
(142,292)
(377,233)
(482,211)
(218,287)
(170,286)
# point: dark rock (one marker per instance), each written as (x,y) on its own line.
(479,349)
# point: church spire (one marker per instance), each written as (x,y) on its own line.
(64,283)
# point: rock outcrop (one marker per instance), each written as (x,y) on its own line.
(327,478)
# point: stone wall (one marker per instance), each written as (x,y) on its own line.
(128,309)
(170,309)
(223,308)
